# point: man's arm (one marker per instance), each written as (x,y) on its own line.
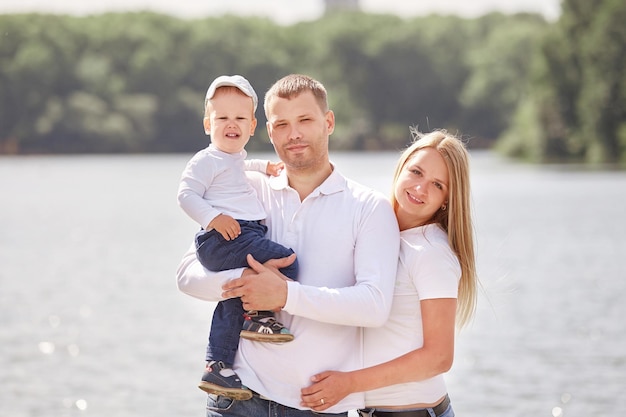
(366,303)
(195,280)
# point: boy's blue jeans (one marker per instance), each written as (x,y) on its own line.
(217,254)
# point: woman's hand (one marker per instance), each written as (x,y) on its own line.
(328,389)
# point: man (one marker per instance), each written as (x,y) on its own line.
(346,239)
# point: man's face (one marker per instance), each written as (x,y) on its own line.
(299,131)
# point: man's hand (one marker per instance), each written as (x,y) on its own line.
(262,287)
(228,227)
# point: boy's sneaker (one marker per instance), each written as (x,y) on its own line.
(220,380)
(261,326)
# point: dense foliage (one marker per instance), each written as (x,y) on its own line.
(134,82)
(575,109)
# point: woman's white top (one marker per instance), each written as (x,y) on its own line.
(427,269)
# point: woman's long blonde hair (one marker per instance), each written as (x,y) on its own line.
(456,219)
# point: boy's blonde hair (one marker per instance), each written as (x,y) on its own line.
(456,219)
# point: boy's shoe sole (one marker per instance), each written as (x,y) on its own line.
(266,337)
(234,393)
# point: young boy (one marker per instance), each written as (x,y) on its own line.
(215,192)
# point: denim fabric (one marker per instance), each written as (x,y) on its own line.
(218,406)
(449,412)
(216,253)
(226,325)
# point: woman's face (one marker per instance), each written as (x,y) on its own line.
(421,188)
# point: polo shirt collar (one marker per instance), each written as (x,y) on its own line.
(333,184)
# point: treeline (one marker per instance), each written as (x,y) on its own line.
(575,108)
(135,82)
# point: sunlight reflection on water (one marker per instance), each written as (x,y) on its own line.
(93,323)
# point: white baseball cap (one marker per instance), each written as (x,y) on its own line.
(234,81)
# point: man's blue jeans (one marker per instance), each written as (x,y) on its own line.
(216,254)
(218,406)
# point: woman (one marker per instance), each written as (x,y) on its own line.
(435,290)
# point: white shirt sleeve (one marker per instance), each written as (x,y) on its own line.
(194,183)
(195,280)
(437,274)
(348,253)
(259,165)
(368,301)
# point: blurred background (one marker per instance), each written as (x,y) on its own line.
(542,81)
(101,107)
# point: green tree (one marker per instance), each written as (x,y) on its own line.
(577,103)
(36,53)
(135,82)
(394,73)
(499,68)
(601,104)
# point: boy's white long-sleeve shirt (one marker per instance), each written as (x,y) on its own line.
(347,241)
(215,182)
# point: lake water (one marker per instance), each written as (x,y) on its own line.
(93,324)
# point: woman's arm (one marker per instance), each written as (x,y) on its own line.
(433,358)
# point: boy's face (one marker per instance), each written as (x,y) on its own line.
(229,119)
